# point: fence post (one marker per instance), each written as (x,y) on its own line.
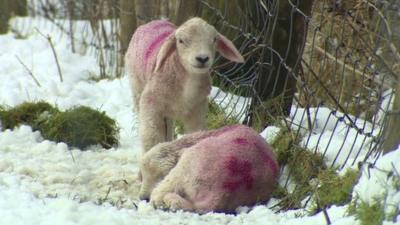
(4,16)
(391,133)
(277,82)
(187,9)
(391,57)
(127,23)
(146,10)
(19,7)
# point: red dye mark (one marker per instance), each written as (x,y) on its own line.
(240,174)
(267,158)
(240,141)
(155,44)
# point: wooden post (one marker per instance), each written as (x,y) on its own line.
(391,133)
(127,23)
(391,56)
(4,16)
(276,82)
(187,9)
(19,7)
(146,10)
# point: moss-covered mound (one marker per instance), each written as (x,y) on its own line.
(311,176)
(81,127)
(369,213)
(78,127)
(334,189)
(216,118)
(29,113)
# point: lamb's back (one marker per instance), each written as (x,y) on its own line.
(145,44)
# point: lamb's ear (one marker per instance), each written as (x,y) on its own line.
(226,48)
(166,49)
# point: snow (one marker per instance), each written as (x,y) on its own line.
(336,136)
(43,182)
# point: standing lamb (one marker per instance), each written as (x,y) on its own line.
(215,170)
(169,71)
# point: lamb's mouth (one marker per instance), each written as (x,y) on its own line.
(200,67)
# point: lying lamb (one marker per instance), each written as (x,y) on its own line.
(169,74)
(216,170)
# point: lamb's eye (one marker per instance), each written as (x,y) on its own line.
(215,40)
(180,41)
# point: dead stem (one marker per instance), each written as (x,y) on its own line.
(29,71)
(48,38)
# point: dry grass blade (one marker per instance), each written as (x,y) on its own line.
(48,38)
(29,71)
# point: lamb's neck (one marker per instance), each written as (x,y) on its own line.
(197,84)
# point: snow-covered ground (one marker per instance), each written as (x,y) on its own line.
(43,182)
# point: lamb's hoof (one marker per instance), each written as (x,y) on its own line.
(158,203)
(144,198)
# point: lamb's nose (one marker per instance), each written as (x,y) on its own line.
(202,59)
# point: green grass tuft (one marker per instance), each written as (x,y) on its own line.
(29,113)
(369,214)
(81,127)
(78,127)
(304,166)
(302,163)
(334,189)
(216,118)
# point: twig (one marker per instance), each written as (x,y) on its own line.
(54,54)
(328,220)
(29,71)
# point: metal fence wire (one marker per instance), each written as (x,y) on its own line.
(318,69)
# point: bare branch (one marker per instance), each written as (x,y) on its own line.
(48,38)
(29,71)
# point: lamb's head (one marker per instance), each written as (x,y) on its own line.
(195,42)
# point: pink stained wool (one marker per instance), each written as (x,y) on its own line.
(147,41)
(227,168)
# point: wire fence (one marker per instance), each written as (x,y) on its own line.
(319,69)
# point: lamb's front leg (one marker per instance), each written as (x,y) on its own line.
(152,124)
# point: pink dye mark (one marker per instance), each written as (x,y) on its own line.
(151,99)
(267,158)
(156,42)
(240,174)
(240,141)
